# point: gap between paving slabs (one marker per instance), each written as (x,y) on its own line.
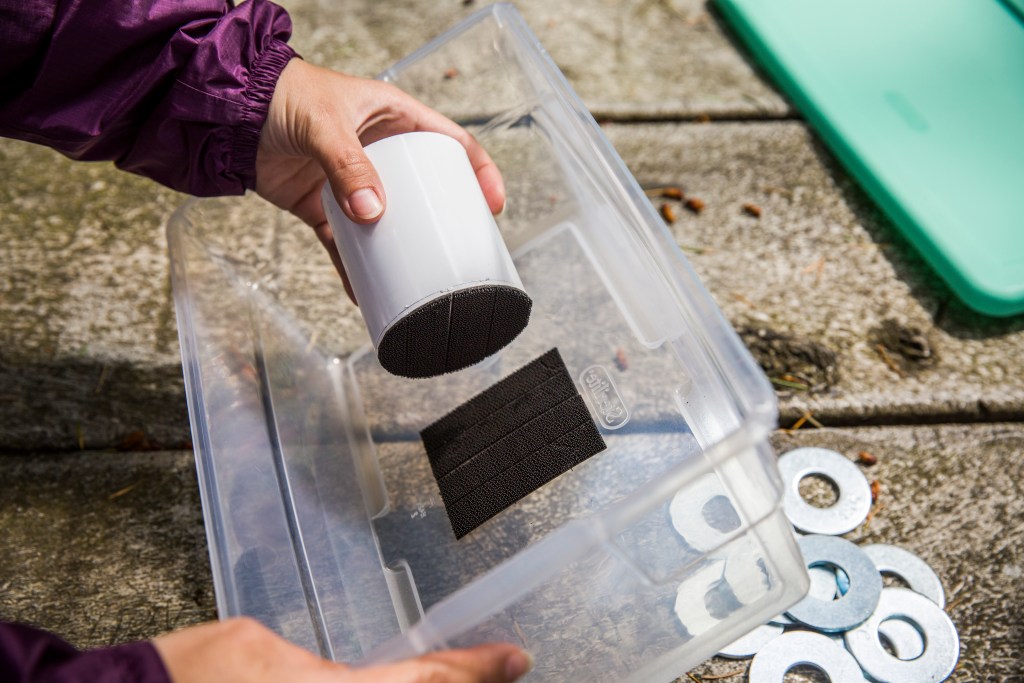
(974,374)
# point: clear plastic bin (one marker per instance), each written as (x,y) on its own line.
(323,519)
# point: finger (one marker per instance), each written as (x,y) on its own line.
(487,173)
(406,114)
(499,663)
(326,236)
(354,180)
(493,186)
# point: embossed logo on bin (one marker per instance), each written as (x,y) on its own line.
(604,397)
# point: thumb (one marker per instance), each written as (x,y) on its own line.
(495,663)
(353,179)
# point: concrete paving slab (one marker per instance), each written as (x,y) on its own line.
(953,495)
(832,300)
(103,548)
(636,59)
(88,342)
(837,307)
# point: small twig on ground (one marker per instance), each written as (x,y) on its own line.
(871,513)
(102,379)
(799,423)
(743,300)
(120,492)
(957,597)
(693,678)
(312,341)
(806,418)
(782,382)
(818,267)
(893,365)
(814,421)
(728,674)
(953,604)
(519,632)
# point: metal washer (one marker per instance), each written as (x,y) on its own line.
(745,571)
(903,637)
(750,644)
(854,500)
(860,600)
(802,647)
(942,644)
(686,511)
(921,578)
(825,584)
(690,606)
(823,587)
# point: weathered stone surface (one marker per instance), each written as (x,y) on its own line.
(637,59)
(103,548)
(954,495)
(826,293)
(88,343)
(825,290)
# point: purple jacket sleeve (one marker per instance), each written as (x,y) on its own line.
(28,655)
(175,90)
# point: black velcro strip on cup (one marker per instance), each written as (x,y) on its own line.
(509,440)
(454,331)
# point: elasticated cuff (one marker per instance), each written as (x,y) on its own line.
(266,70)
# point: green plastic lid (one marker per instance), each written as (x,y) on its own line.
(923,102)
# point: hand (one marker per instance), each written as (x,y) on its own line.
(318,123)
(243,651)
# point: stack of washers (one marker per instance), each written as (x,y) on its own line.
(850,626)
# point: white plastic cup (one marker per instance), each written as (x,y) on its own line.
(436,238)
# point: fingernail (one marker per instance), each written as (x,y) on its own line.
(501,211)
(518,665)
(365,203)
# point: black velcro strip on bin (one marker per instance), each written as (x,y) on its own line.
(488,402)
(509,440)
(454,331)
